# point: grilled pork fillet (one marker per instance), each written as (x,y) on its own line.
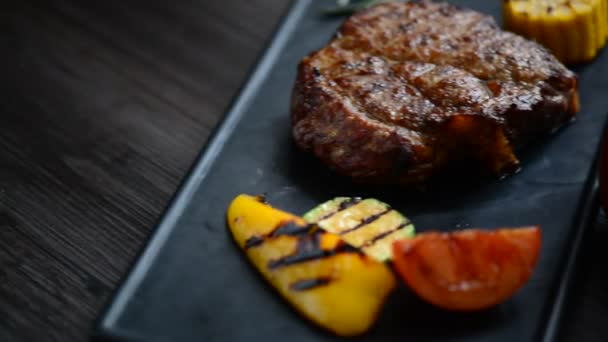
(406,88)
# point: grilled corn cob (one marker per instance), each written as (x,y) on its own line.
(574,30)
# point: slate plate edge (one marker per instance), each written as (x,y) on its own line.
(104,327)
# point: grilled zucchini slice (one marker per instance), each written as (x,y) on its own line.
(367,224)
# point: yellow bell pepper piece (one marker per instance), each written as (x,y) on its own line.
(323,278)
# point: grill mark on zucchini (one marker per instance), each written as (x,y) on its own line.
(367,221)
(349,203)
(343,206)
(309,249)
(385,234)
(309,284)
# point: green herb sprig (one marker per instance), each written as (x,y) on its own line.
(345,7)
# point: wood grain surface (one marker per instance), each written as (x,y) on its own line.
(103,108)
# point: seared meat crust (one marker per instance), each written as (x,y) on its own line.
(405,88)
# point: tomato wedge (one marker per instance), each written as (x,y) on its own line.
(470,269)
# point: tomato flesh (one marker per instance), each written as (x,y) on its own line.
(468,270)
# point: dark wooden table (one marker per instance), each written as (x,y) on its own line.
(103,108)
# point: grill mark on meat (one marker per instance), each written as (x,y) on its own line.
(371,110)
(383,90)
(436,28)
(414,17)
(424,16)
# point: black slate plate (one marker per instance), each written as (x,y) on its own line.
(191,283)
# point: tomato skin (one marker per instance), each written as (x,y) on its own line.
(468,270)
